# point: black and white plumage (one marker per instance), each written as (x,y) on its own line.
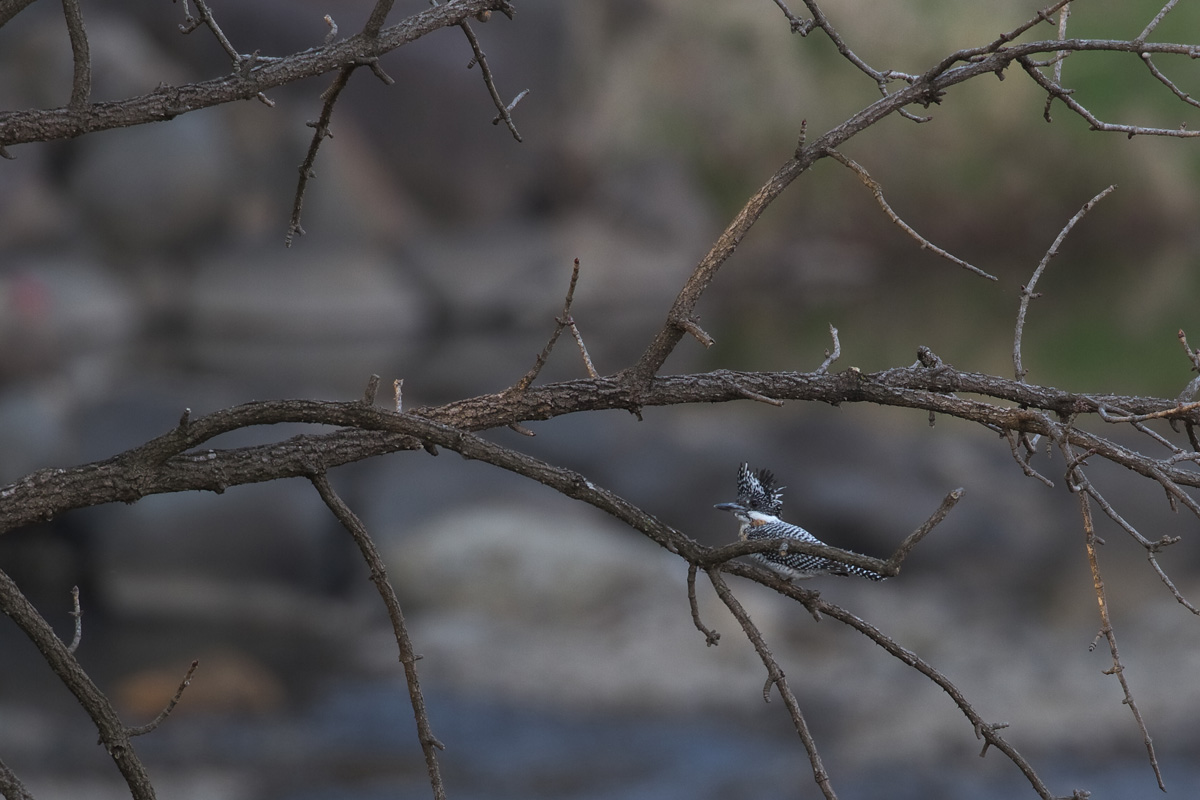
(758,507)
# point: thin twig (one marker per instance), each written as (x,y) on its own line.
(1023,461)
(142,730)
(559,323)
(830,356)
(206,18)
(1179,411)
(1106,628)
(711,637)
(798,25)
(1152,548)
(1064,14)
(776,678)
(1097,124)
(408,658)
(1027,292)
(893,564)
(481,59)
(812,601)
(1165,81)
(877,190)
(759,398)
(583,352)
(1157,19)
(77,613)
(321,132)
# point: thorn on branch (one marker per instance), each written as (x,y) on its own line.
(333,30)
(521,429)
(77,613)
(833,356)
(689,325)
(398,395)
(761,398)
(371,391)
(481,59)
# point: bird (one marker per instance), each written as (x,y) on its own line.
(758,507)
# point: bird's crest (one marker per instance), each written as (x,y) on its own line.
(757,491)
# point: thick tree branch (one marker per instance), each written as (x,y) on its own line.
(166,465)
(113,734)
(167,102)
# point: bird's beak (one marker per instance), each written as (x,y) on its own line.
(728,506)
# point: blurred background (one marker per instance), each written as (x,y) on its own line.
(142,271)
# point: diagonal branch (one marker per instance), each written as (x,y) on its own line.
(114,736)
(1077,478)
(776,678)
(408,657)
(877,190)
(1027,292)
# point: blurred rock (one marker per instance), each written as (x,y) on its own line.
(333,313)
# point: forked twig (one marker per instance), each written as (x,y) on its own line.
(813,602)
(561,322)
(481,59)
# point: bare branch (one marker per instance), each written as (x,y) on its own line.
(892,567)
(776,678)
(490,82)
(408,657)
(561,322)
(166,712)
(1106,628)
(1141,37)
(799,26)
(113,734)
(877,190)
(167,102)
(1058,58)
(811,600)
(1027,292)
(831,356)
(206,18)
(711,637)
(1056,90)
(81,82)
(77,613)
